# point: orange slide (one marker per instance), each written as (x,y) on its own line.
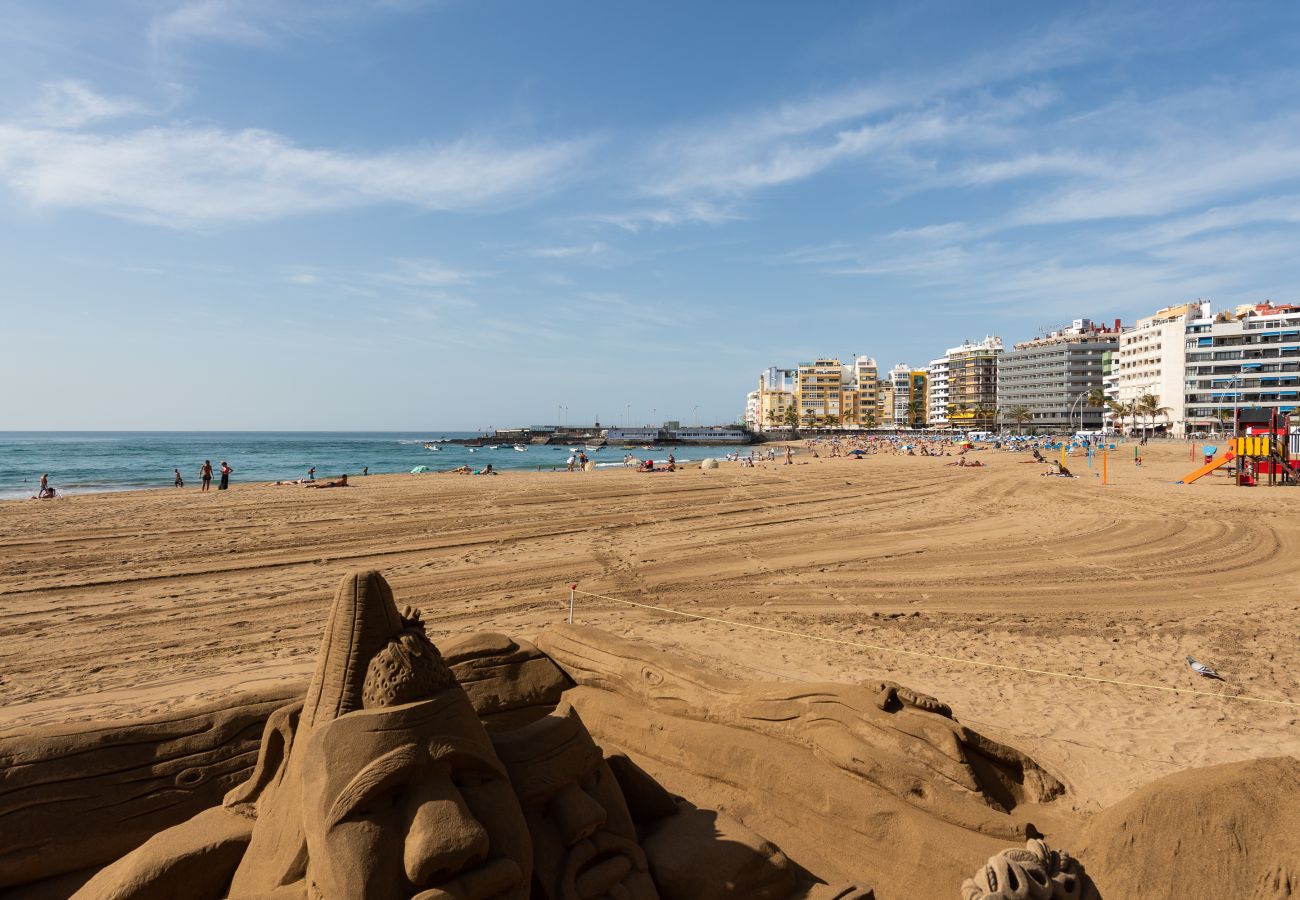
(1208,467)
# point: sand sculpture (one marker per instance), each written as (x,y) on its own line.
(1032,872)
(385,783)
(588,766)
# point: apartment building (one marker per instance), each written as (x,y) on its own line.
(1052,375)
(867,379)
(1247,358)
(885,402)
(973,383)
(909,407)
(819,386)
(936,391)
(1151,360)
(776,396)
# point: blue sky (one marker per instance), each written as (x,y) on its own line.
(431,215)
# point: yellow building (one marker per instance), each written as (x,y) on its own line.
(820,388)
(866,378)
(776,397)
(884,403)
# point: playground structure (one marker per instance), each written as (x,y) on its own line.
(1266,445)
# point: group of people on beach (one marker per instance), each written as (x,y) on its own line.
(205,476)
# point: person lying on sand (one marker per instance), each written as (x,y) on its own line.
(647,465)
(961,463)
(461,470)
(45,493)
(486,470)
(1060,472)
(342,482)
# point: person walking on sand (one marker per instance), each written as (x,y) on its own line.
(45,482)
(205,474)
(180,482)
(311,474)
(225,476)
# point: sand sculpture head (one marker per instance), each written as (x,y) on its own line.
(584,842)
(391,789)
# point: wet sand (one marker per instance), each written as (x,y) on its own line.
(116,605)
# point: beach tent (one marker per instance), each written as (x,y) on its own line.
(418,470)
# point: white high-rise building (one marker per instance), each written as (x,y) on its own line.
(936,389)
(1151,359)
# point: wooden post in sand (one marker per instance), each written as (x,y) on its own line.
(573,592)
(1103,465)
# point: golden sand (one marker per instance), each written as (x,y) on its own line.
(115,605)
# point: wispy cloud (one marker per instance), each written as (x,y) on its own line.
(426,273)
(595,248)
(71,103)
(194,176)
(258,22)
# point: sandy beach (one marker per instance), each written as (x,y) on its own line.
(116,605)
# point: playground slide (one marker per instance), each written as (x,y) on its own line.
(1208,467)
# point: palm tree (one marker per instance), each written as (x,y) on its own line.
(915,412)
(870,419)
(1149,406)
(1020,415)
(1124,410)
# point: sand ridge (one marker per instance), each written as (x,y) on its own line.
(129,603)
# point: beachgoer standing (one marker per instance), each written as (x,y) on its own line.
(366,470)
(572,460)
(180,482)
(225,476)
(311,474)
(45,482)
(582,460)
(205,474)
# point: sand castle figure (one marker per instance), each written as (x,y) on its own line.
(1032,872)
(383,784)
(584,842)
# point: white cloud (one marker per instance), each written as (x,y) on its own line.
(259,22)
(654,217)
(593,249)
(71,104)
(219,20)
(191,175)
(426,273)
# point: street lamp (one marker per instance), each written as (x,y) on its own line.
(1070,424)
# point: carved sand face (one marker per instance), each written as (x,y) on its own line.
(584,843)
(411,802)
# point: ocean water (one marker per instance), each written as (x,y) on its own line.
(92,461)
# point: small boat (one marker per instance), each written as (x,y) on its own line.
(521,448)
(472,449)
(429,446)
(573,449)
(646,447)
(591,449)
(494,446)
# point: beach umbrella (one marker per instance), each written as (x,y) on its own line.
(856,452)
(419,470)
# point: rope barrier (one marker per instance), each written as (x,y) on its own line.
(573,591)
